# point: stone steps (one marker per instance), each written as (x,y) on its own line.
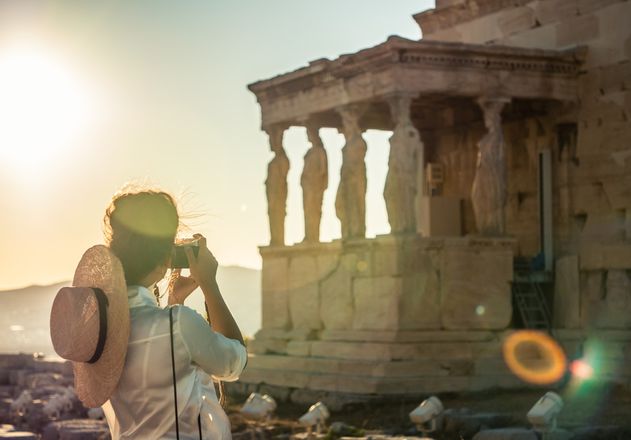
(377,385)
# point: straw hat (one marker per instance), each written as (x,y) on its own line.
(89,325)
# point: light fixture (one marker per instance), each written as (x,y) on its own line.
(425,416)
(258,407)
(316,416)
(543,415)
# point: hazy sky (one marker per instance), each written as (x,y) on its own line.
(96,94)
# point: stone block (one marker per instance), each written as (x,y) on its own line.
(406,336)
(577,30)
(539,37)
(506,434)
(617,300)
(266,346)
(603,228)
(298,348)
(587,6)
(595,256)
(376,303)
(567,306)
(387,261)
(358,261)
(350,351)
(592,294)
(304,307)
(275,309)
(274,274)
(553,11)
(419,307)
(476,290)
(303,271)
(440,351)
(284,378)
(336,300)
(514,20)
(589,198)
(618,192)
(327,263)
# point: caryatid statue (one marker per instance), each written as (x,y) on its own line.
(276,186)
(488,193)
(406,155)
(350,202)
(314,181)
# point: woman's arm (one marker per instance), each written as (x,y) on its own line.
(204,270)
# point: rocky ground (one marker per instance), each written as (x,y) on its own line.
(591,412)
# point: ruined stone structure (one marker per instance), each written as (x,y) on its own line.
(525,106)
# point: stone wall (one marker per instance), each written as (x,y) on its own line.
(592,167)
(456,149)
(389,283)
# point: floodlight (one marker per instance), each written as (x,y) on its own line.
(426,414)
(258,407)
(316,416)
(543,415)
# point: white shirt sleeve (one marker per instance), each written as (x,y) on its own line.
(214,353)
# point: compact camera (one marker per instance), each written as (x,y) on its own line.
(178,257)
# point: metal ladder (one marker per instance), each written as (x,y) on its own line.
(530,300)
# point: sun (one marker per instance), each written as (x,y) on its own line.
(44,107)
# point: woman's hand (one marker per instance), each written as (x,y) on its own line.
(180,288)
(203,267)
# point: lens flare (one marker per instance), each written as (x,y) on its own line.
(534,357)
(581,369)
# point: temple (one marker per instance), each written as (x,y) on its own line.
(508,195)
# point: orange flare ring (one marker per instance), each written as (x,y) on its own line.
(548,346)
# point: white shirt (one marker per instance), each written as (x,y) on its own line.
(142,405)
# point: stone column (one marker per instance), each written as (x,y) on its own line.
(406,156)
(488,193)
(314,181)
(276,186)
(350,202)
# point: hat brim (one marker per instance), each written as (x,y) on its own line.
(96,382)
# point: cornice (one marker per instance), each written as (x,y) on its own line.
(423,54)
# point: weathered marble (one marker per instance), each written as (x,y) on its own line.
(404,164)
(567,293)
(350,202)
(276,187)
(488,193)
(314,181)
(475,289)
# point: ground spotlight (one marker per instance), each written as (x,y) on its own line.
(316,416)
(258,407)
(543,415)
(425,416)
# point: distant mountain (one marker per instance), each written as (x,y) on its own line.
(24,321)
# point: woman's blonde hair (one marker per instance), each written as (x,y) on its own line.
(140,226)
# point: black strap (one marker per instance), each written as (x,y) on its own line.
(103,303)
(177,423)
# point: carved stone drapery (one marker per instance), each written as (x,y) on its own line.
(488,193)
(406,154)
(350,202)
(314,181)
(276,186)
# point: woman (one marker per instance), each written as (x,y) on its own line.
(140,229)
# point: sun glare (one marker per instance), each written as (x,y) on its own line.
(44,106)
